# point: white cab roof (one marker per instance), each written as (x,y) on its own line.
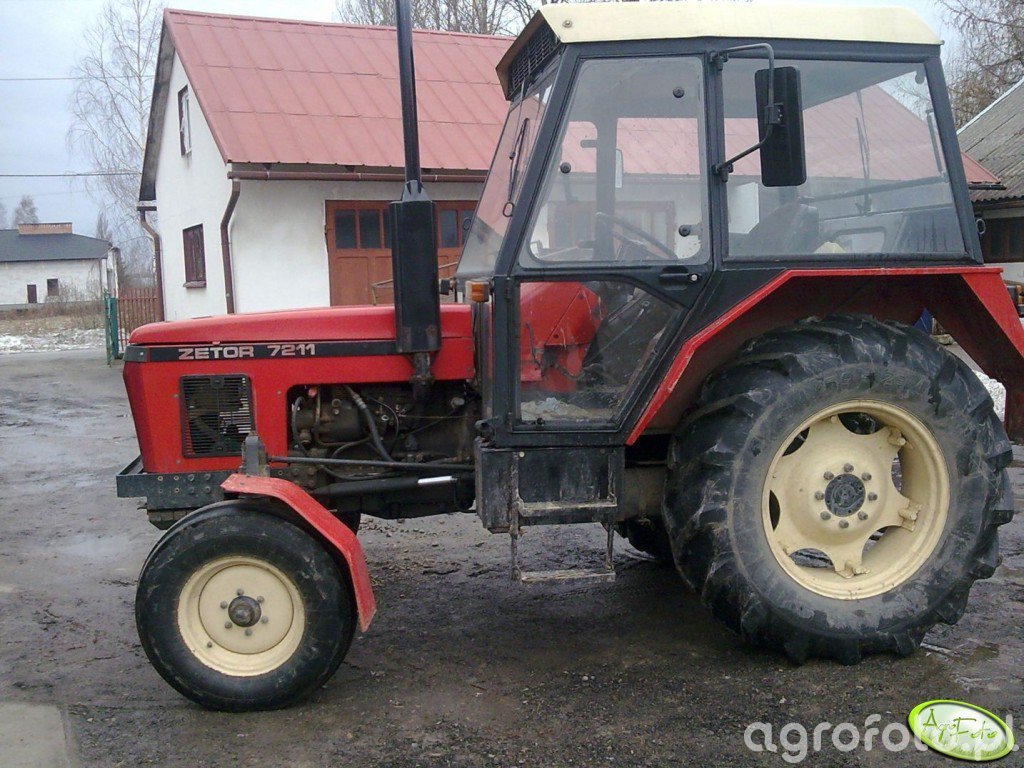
(593,22)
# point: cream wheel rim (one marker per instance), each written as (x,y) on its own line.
(835,518)
(241,616)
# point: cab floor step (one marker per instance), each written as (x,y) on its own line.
(567,574)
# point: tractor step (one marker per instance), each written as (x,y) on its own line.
(601,574)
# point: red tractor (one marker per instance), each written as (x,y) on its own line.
(685,313)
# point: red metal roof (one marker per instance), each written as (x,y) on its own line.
(281,91)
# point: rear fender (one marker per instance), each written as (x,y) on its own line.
(334,533)
(971,303)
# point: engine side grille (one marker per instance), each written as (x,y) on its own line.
(216,415)
(535,54)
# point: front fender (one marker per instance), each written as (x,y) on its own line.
(335,533)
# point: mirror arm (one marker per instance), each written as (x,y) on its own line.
(772,113)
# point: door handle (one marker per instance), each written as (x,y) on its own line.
(677,276)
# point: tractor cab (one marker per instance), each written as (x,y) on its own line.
(660,162)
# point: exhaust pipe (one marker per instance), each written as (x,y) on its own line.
(413,235)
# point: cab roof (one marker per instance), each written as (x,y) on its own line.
(601,22)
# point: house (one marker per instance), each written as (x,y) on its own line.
(275,146)
(41,263)
(995,138)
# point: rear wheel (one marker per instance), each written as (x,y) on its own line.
(241,610)
(839,488)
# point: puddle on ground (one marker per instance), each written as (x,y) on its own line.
(95,547)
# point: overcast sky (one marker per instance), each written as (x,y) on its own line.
(42,38)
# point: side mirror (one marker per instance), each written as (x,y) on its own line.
(780,127)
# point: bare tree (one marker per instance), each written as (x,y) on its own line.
(26,212)
(483,17)
(103,228)
(990,56)
(110,107)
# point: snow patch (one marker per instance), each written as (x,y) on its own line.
(72,338)
(997,390)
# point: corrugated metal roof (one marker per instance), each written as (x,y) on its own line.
(278,91)
(995,138)
(60,247)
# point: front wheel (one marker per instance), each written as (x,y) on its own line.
(839,489)
(241,610)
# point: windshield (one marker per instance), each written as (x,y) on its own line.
(504,181)
(877,182)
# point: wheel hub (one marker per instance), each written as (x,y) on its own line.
(835,518)
(844,495)
(240,615)
(244,611)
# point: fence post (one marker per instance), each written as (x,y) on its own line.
(110,329)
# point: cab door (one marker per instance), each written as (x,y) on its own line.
(613,250)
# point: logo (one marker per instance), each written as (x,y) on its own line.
(961,730)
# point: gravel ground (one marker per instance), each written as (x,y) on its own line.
(462,667)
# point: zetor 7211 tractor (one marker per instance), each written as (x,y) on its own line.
(689,290)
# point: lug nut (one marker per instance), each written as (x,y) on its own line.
(844,523)
(264,620)
(862,515)
(224,604)
(227,625)
(248,632)
(259,599)
(818,495)
(825,516)
(828,475)
(209,645)
(866,476)
(239,591)
(847,467)
(872,497)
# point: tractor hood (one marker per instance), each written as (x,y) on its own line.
(361,323)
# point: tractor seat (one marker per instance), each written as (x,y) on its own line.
(789,229)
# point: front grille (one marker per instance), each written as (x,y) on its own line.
(535,54)
(217,414)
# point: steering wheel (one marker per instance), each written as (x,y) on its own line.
(663,250)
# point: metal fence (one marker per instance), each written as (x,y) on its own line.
(126,312)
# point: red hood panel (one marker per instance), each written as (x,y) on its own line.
(321,324)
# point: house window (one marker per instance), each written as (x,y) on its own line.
(32,296)
(184,122)
(1003,240)
(52,287)
(195,257)
(452,225)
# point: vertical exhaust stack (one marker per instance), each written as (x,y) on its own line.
(413,235)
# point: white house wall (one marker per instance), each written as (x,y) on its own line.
(79,277)
(190,190)
(278,241)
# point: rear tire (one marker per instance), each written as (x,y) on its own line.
(241,610)
(753,521)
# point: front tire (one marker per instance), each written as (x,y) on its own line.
(838,489)
(241,610)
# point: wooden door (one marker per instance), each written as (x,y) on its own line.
(33,297)
(359,247)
